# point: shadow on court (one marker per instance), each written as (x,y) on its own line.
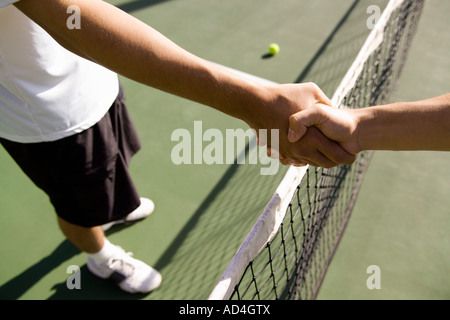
(198,255)
(92,287)
(16,287)
(166,258)
(337,53)
(131,6)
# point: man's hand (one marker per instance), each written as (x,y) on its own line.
(314,148)
(415,125)
(339,125)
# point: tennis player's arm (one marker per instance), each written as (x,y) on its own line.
(418,125)
(118,41)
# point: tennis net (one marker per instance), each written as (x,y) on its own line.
(288,250)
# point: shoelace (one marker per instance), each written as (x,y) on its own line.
(121,269)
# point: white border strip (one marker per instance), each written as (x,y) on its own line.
(263,230)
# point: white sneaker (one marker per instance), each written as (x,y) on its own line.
(131,275)
(143,211)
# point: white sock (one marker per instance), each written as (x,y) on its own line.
(104,254)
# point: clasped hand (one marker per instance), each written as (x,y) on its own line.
(299,144)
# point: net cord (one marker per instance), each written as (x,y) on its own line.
(270,220)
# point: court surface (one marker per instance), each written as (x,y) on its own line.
(400,222)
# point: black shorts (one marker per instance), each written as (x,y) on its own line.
(86,175)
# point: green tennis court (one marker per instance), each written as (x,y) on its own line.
(401,219)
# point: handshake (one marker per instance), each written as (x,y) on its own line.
(311,130)
(321,135)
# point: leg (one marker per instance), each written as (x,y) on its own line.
(89,240)
(97,189)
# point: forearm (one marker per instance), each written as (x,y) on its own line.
(420,125)
(131,48)
(119,42)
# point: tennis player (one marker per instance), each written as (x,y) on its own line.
(64,121)
(417,125)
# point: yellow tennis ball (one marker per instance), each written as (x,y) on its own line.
(274,49)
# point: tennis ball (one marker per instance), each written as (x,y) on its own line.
(274,49)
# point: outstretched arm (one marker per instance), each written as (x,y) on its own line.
(418,125)
(116,40)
